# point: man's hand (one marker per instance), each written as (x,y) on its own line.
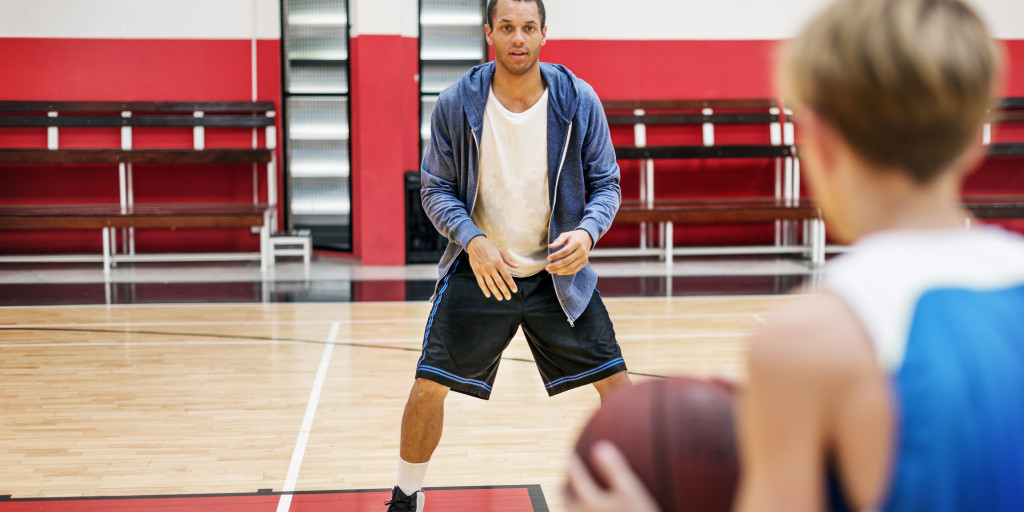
(573,255)
(626,493)
(490,265)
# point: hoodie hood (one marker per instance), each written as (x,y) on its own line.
(563,94)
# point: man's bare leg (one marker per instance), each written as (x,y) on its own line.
(609,385)
(422,421)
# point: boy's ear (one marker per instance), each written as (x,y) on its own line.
(970,160)
(820,137)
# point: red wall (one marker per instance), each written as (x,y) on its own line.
(385,131)
(385,143)
(133,70)
(727,69)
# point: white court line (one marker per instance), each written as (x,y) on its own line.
(760,319)
(366,343)
(670,336)
(700,297)
(59,344)
(307,422)
(213,323)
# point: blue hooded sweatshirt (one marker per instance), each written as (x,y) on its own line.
(583,177)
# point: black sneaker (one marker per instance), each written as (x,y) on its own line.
(402,503)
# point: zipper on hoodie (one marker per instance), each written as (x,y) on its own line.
(558,175)
(476,188)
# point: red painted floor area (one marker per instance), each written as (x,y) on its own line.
(476,499)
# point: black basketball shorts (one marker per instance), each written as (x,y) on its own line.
(467,332)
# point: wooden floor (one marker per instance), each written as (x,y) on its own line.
(144,400)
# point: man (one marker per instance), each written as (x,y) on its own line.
(520,176)
(898,386)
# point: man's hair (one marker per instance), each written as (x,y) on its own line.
(492,8)
(907,83)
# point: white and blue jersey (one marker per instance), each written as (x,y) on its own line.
(945,312)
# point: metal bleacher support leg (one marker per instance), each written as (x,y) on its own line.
(668,244)
(112,243)
(646,174)
(127,188)
(811,237)
(266,251)
(791,172)
(775,134)
(778,195)
(806,226)
(818,242)
(788,232)
(271,143)
(52,133)
(821,246)
(106,250)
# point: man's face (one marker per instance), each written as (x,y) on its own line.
(516,35)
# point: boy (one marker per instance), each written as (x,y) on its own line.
(898,386)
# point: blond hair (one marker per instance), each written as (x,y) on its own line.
(907,83)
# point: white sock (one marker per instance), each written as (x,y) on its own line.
(410,476)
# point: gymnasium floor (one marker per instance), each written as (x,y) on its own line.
(213,386)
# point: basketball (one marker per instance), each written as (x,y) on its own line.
(678,436)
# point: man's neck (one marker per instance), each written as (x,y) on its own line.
(518,93)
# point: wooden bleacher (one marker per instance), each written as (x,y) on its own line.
(783,205)
(125,216)
(1008,205)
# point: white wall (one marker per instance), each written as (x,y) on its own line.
(141,19)
(568,19)
(720,19)
(384,17)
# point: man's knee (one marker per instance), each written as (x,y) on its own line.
(613,383)
(425,391)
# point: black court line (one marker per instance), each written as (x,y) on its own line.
(259,338)
(342,290)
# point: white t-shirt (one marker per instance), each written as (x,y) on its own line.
(512,206)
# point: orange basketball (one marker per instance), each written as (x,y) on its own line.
(678,436)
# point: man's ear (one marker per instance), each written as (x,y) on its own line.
(544,35)
(488,33)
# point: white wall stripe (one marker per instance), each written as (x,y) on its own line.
(721,19)
(307,422)
(568,19)
(384,17)
(141,19)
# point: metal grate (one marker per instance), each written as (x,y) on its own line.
(451,42)
(316,55)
